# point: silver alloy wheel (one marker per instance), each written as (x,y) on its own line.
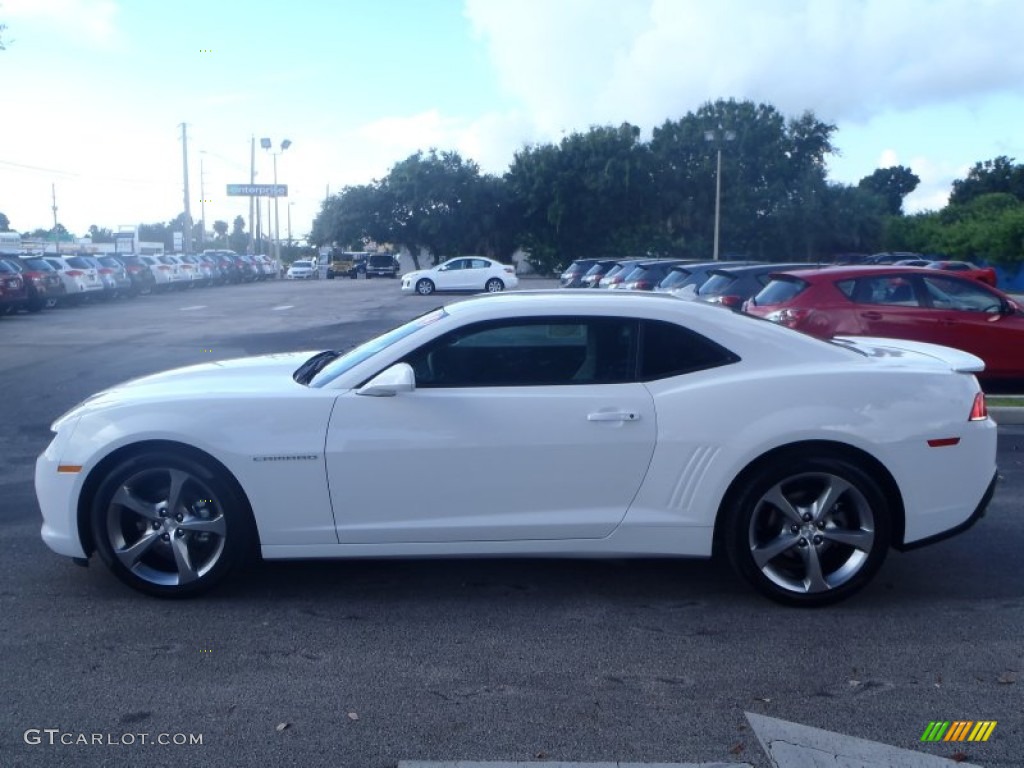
(494,285)
(424,287)
(166,526)
(811,533)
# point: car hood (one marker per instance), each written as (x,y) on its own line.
(263,375)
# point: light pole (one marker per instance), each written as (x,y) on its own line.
(718,136)
(290,229)
(267,144)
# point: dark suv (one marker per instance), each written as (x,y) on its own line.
(381,265)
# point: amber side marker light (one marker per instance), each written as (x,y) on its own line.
(979,411)
(69,468)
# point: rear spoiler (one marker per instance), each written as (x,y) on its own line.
(913,351)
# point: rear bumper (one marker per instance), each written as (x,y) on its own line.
(978,513)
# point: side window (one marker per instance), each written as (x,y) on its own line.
(893,290)
(479,263)
(960,295)
(457,264)
(667,349)
(530,352)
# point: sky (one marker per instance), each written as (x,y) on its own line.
(95,92)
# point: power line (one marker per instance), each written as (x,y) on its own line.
(83,176)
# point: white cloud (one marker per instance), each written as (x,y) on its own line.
(888,159)
(936,183)
(576,62)
(89,22)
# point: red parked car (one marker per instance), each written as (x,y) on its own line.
(987,275)
(915,303)
(13,291)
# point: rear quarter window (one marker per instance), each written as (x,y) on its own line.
(780,290)
(671,350)
(716,283)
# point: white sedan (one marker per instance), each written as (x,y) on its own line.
(466,273)
(533,424)
(301,270)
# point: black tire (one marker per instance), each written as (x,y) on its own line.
(807,531)
(169,525)
(494,285)
(424,287)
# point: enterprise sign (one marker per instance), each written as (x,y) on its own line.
(257,190)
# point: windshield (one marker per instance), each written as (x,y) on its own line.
(368,349)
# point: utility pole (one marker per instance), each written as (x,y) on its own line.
(56,234)
(202,200)
(186,240)
(252,201)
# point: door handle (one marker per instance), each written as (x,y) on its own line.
(613,416)
(871,315)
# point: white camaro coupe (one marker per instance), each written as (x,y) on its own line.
(466,273)
(533,424)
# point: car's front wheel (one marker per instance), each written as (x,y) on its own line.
(494,285)
(424,287)
(169,525)
(808,531)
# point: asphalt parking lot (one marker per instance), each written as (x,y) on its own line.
(365,664)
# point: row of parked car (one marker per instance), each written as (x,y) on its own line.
(951,303)
(33,281)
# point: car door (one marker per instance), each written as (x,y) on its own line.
(891,305)
(528,428)
(450,275)
(970,317)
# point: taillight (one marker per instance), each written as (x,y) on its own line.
(979,410)
(74,273)
(106,271)
(510,270)
(642,285)
(732,302)
(791,318)
(164,268)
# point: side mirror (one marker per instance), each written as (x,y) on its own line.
(389,382)
(1011,307)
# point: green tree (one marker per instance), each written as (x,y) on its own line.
(156,233)
(590,195)
(100,234)
(221,228)
(353,217)
(5,223)
(892,185)
(238,240)
(773,179)
(988,177)
(431,198)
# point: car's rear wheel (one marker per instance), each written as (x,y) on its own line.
(808,531)
(494,285)
(169,525)
(425,287)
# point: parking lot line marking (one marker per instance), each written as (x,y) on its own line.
(556,764)
(283,306)
(197,306)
